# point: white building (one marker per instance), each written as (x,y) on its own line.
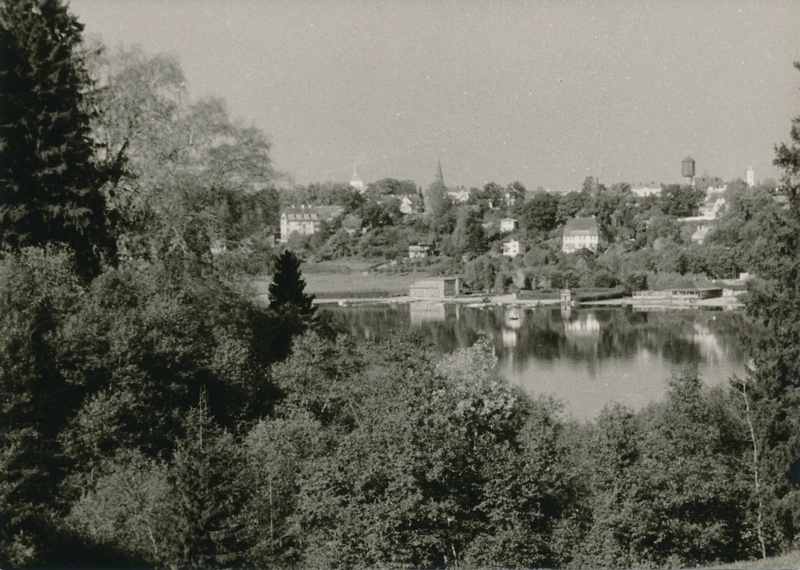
(419,251)
(581,233)
(714,190)
(750,177)
(459,196)
(512,248)
(410,204)
(508,225)
(645,190)
(306,220)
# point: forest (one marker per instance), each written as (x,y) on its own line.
(155,414)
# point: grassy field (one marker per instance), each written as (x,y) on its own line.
(785,562)
(339,266)
(333,280)
(359,284)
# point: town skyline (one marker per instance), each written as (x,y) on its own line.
(748,177)
(545,94)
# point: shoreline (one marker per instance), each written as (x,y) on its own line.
(719,303)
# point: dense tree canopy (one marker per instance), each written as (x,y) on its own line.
(468,236)
(680,201)
(539,214)
(50,182)
(193,176)
(392,186)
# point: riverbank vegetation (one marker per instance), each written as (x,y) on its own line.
(644,241)
(154,414)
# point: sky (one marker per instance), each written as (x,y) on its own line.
(540,92)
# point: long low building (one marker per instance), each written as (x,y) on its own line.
(682,294)
(435,288)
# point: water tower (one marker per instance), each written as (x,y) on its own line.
(687,168)
(750,177)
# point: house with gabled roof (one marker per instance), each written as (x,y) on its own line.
(508,225)
(581,233)
(410,204)
(352,224)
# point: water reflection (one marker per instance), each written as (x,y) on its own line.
(584,357)
(426,311)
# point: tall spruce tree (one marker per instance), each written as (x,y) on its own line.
(50,185)
(287,289)
(775,382)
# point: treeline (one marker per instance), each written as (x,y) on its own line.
(155,414)
(643,241)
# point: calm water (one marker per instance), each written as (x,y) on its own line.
(584,357)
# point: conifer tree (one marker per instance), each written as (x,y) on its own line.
(50,185)
(205,476)
(288,286)
(775,386)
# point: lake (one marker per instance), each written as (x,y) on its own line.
(583,357)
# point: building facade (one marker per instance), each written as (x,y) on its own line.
(306,220)
(580,233)
(645,190)
(410,204)
(419,251)
(508,225)
(459,195)
(512,248)
(437,288)
(352,224)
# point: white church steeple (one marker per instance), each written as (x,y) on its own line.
(355,180)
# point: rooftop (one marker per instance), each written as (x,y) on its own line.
(581,225)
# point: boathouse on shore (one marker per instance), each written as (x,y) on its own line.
(436,288)
(689,294)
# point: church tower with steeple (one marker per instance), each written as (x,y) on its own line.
(355,180)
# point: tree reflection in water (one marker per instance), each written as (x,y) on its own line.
(584,357)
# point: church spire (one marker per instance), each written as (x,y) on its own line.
(439,175)
(355,180)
